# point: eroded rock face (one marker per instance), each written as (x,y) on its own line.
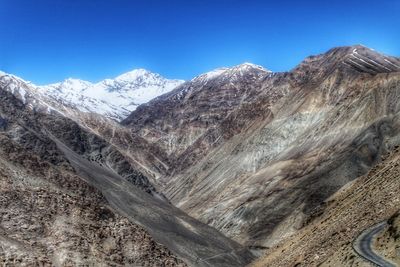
(329,236)
(51,217)
(88,184)
(3,124)
(251,153)
(255,156)
(177,120)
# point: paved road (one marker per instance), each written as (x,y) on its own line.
(363,246)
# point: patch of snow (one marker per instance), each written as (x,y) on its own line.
(211,74)
(238,69)
(391,63)
(132,75)
(22,93)
(251,65)
(376,63)
(227,74)
(356,63)
(362,60)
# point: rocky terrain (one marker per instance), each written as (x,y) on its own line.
(49,216)
(388,242)
(294,164)
(45,224)
(329,235)
(75,178)
(253,153)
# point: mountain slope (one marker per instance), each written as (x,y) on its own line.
(190,116)
(49,215)
(262,157)
(44,141)
(254,153)
(113,98)
(147,158)
(328,238)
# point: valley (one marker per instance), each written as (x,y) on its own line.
(237,166)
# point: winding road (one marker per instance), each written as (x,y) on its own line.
(363,246)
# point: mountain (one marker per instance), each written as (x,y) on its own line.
(225,167)
(253,153)
(113,98)
(196,107)
(329,237)
(49,214)
(78,199)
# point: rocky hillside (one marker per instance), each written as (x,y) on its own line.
(194,110)
(254,153)
(49,215)
(74,198)
(328,238)
(388,243)
(235,160)
(147,158)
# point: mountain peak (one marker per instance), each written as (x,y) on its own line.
(367,60)
(73,81)
(134,74)
(211,74)
(348,50)
(114,98)
(355,58)
(247,65)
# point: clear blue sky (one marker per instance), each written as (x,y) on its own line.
(49,40)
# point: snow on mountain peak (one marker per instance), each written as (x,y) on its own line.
(232,72)
(74,84)
(251,65)
(115,98)
(134,75)
(211,74)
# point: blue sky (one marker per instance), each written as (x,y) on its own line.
(49,40)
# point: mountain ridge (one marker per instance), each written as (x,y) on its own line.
(115,98)
(252,156)
(225,133)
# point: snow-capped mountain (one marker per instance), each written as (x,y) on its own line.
(30,95)
(226,75)
(113,98)
(231,73)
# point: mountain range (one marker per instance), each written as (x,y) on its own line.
(113,98)
(233,165)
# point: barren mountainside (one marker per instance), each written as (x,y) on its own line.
(233,164)
(49,215)
(328,238)
(66,160)
(255,156)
